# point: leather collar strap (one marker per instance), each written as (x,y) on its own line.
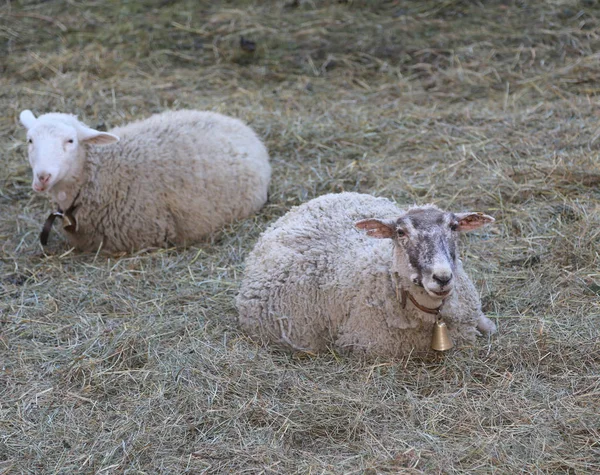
(432,311)
(69,222)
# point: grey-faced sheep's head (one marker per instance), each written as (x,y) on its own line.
(427,239)
(54,143)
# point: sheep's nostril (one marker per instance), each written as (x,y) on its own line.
(43,178)
(442,279)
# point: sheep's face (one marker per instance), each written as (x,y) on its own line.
(54,146)
(52,154)
(427,239)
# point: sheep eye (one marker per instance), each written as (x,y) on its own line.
(30,140)
(401,233)
(70,140)
(453,226)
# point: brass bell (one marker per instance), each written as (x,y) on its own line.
(440,339)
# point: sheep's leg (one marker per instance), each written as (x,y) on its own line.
(485,325)
(284,333)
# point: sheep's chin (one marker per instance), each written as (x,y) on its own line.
(41,189)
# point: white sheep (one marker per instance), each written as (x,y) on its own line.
(170,179)
(314,280)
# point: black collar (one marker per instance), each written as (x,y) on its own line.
(69,223)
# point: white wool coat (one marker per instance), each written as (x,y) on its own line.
(315,281)
(172,179)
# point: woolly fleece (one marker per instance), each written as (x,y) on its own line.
(313,280)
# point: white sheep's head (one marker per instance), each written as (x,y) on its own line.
(426,240)
(55,142)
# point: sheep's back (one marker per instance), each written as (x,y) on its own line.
(204,160)
(329,221)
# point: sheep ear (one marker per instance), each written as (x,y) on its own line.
(470,221)
(95,137)
(27,119)
(378,228)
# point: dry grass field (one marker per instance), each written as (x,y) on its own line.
(134,364)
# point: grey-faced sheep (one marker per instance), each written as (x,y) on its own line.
(315,279)
(170,179)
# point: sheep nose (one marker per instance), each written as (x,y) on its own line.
(442,279)
(43,178)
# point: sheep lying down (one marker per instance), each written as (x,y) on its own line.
(171,179)
(316,279)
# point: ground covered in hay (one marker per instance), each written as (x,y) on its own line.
(135,364)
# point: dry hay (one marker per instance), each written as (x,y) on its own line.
(136,365)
